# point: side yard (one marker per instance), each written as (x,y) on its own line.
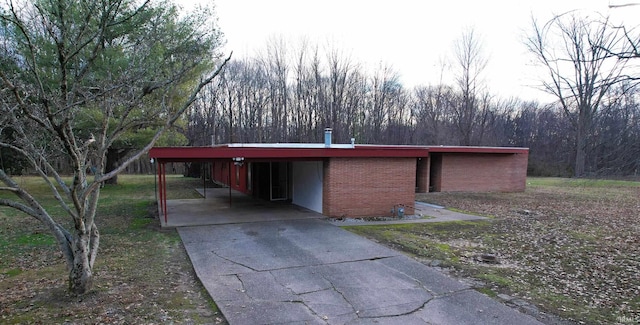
(142,274)
(567,247)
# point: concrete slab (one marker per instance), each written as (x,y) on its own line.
(431,279)
(302,280)
(329,303)
(375,290)
(221,206)
(270,312)
(471,307)
(424,213)
(280,244)
(311,272)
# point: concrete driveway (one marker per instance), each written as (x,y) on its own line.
(312,272)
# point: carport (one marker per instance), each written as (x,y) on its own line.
(326,179)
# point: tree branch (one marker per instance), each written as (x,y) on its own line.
(170,121)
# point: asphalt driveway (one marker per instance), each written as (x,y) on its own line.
(312,272)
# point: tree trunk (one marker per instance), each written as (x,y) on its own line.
(581,155)
(113,160)
(81,275)
(584,128)
(193,170)
(113,156)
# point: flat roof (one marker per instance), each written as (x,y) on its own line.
(314,151)
(287,145)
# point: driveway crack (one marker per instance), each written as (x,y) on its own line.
(234,262)
(243,289)
(401,314)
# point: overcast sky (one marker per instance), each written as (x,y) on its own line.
(413,36)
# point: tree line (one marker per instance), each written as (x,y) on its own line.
(291,94)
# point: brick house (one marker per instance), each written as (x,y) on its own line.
(347,180)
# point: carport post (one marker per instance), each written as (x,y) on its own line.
(229,183)
(164,175)
(204,182)
(159,194)
(163,191)
(155,179)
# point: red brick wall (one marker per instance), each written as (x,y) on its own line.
(357,187)
(483,172)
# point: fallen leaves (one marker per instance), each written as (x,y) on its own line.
(134,284)
(574,249)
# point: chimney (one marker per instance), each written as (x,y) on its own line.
(327,137)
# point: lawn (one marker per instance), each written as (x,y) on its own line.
(569,247)
(142,274)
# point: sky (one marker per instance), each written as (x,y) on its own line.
(414,37)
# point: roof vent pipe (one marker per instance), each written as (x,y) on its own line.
(327,137)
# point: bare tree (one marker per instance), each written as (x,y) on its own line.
(472,108)
(574,51)
(301,95)
(276,64)
(384,85)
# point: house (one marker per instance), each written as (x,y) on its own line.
(351,180)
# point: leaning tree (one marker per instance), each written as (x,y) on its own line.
(78,75)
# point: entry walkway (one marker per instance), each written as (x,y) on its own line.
(424,213)
(312,272)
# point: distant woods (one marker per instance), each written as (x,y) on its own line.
(291,95)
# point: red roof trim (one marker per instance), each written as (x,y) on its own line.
(369,151)
(462,149)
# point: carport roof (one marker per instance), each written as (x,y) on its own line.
(312,151)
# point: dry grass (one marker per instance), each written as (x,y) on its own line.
(572,247)
(142,274)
